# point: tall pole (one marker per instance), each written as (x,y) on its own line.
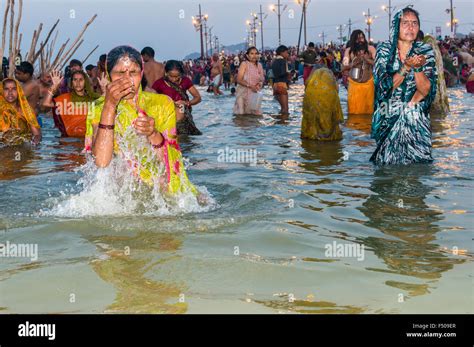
(205,34)
(368,20)
(350,27)
(305,4)
(452,17)
(299,35)
(279,22)
(389,16)
(261,25)
(210,39)
(200,29)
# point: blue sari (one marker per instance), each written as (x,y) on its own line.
(402,132)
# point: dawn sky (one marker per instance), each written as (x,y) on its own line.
(166,25)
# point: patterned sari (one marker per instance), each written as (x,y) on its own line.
(16,123)
(161,167)
(402,131)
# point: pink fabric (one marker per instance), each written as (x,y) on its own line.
(161,87)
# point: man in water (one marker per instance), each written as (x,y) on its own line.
(216,74)
(153,70)
(281,78)
(308,58)
(24,74)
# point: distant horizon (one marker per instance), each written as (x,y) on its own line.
(166,25)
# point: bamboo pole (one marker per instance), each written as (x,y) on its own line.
(15,42)
(73,46)
(34,42)
(56,60)
(87,57)
(10,50)
(4,32)
(36,55)
(71,54)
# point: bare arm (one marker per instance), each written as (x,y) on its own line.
(240,75)
(196,96)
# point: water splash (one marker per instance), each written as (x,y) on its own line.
(115,190)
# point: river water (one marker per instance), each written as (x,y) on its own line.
(262,247)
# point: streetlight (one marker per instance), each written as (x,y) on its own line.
(323,36)
(277,9)
(305,4)
(261,24)
(340,28)
(198,25)
(389,9)
(368,20)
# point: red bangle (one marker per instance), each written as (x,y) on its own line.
(106,126)
(161,144)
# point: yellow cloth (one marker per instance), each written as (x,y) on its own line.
(360,97)
(16,122)
(322,110)
(166,168)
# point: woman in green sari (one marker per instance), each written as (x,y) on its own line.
(322,111)
(137,126)
(405,77)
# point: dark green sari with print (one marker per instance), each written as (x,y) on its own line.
(402,132)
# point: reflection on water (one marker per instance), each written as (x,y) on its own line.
(262,248)
(125,263)
(398,209)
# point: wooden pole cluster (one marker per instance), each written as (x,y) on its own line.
(45,56)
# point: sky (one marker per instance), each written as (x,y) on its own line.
(166,25)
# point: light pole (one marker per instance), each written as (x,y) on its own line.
(369,20)
(340,28)
(210,39)
(254,27)
(277,9)
(389,9)
(453,23)
(197,22)
(304,4)
(261,24)
(323,36)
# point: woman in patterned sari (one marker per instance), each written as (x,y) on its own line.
(137,126)
(405,83)
(18,122)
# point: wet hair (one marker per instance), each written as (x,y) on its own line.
(174,65)
(80,72)
(250,49)
(89,67)
(281,49)
(26,67)
(122,51)
(232,90)
(311,44)
(420,36)
(148,51)
(75,62)
(103,58)
(6,80)
(411,10)
(353,45)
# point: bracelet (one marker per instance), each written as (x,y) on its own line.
(106,126)
(418,69)
(161,143)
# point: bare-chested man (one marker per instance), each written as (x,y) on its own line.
(24,74)
(216,74)
(153,70)
(45,83)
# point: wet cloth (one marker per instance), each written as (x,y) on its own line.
(322,112)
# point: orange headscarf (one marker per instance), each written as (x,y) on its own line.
(10,118)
